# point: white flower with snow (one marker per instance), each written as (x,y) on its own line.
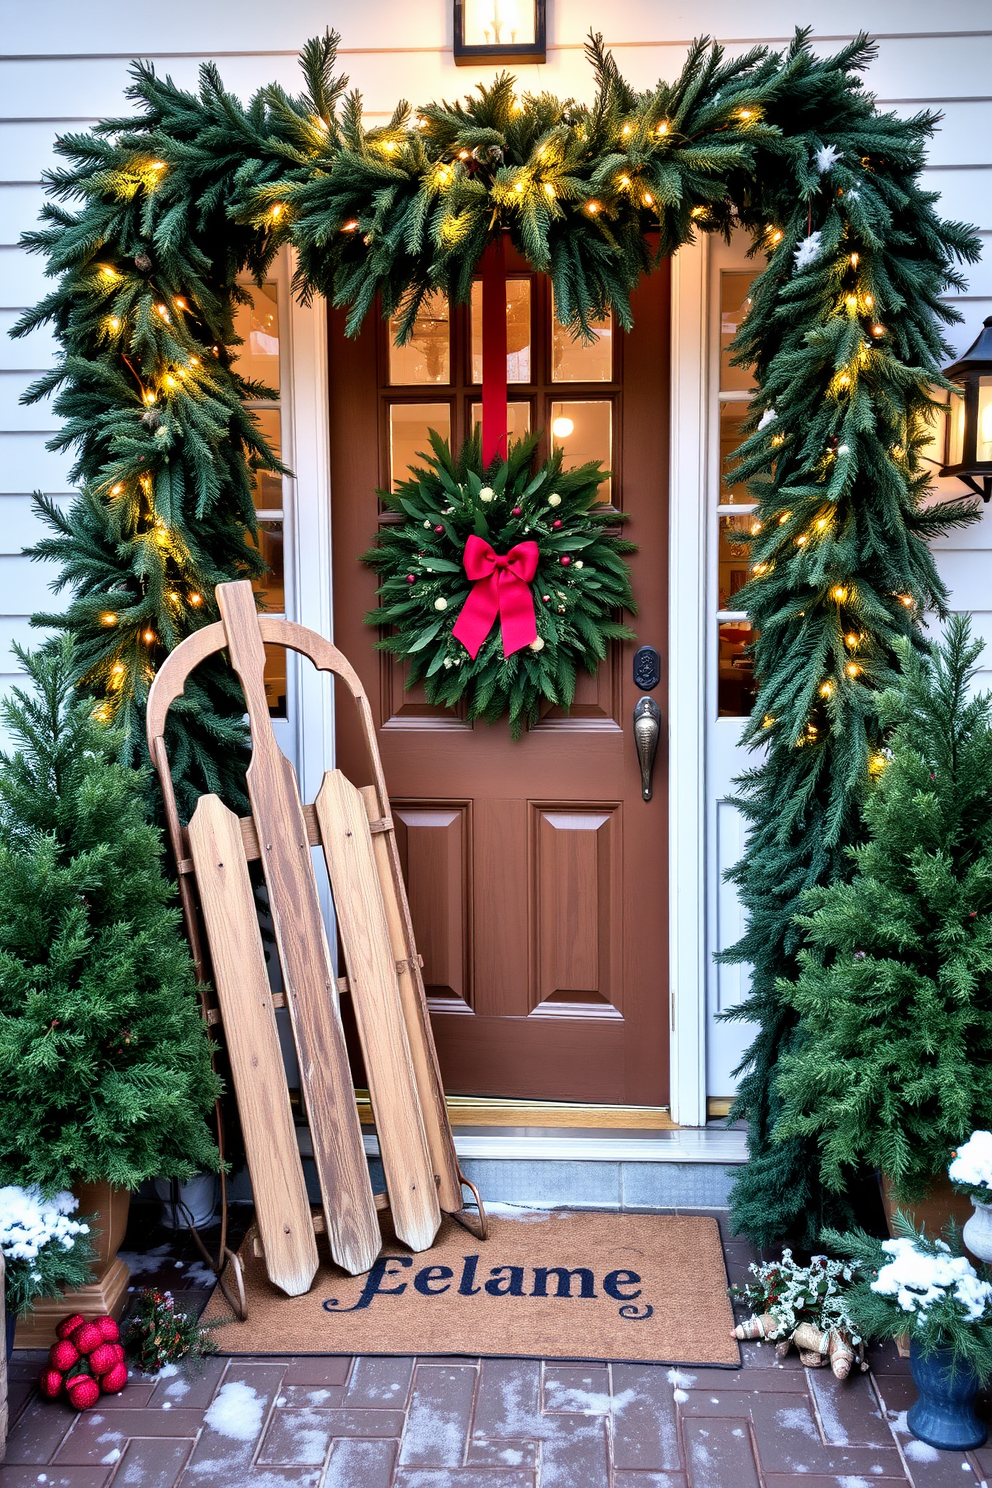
(808,251)
(768,417)
(972,1163)
(826,158)
(919,1280)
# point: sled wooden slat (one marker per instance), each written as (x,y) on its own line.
(308,975)
(375,998)
(241,979)
(433,1110)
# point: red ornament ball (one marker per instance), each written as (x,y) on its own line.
(439,528)
(51,1383)
(69,1324)
(109,1331)
(103,1358)
(565,561)
(517,511)
(63,1355)
(556,523)
(411,578)
(115,1379)
(546,598)
(83,1391)
(87,1337)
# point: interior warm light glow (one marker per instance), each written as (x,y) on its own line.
(562,427)
(498,23)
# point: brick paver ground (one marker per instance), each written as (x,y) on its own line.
(332,1422)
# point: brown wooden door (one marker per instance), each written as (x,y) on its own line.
(536,873)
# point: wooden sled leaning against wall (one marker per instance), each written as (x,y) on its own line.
(355,830)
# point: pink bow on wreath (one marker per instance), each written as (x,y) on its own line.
(500,586)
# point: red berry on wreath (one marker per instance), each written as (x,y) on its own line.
(51,1383)
(69,1324)
(556,523)
(565,561)
(546,598)
(517,511)
(109,1331)
(87,1337)
(115,1379)
(439,528)
(411,578)
(103,1358)
(83,1391)
(63,1355)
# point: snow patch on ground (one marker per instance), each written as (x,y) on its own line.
(797,1418)
(139,1263)
(111,1456)
(919,1451)
(529,1213)
(431,1436)
(168,1371)
(512,1456)
(682,1380)
(850,1481)
(236,1412)
(833,1427)
(593,1402)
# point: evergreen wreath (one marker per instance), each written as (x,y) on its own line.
(580,584)
(844,337)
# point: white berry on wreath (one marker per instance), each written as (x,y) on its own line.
(554,499)
(440,603)
(537,644)
(487,493)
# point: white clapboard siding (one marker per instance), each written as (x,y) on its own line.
(32,353)
(20,526)
(22,275)
(13,414)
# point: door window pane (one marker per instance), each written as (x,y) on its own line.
(499,22)
(268,483)
(734,556)
(735,686)
(258,326)
(732,415)
(426,357)
(409,424)
(275,680)
(734,305)
(584,431)
(272,585)
(518,336)
(517,419)
(582,361)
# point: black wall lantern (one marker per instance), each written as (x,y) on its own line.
(500,31)
(969,423)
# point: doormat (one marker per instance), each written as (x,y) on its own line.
(557,1284)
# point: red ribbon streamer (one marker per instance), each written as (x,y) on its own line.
(494,414)
(500,586)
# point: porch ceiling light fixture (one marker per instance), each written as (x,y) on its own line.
(968,452)
(499,31)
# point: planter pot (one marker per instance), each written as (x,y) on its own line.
(11,1321)
(198,1197)
(944,1416)
(940,1206)
(977,1233)
(107,1292)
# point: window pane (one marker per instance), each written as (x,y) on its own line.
(517,419)
(584,431)
(258,326)
(733,557)
(272,586)
(732,415)
(517,330)
(426,357)
(268,483)
(408,430)
(734,305)
(582,361)
(735,687)
(275,680)
(499,22)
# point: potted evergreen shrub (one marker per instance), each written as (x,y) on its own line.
(893,1067)
(104,1056)
(912,1284)
(44,1249)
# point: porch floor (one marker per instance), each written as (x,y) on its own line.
(332,1422)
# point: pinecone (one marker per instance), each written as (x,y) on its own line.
(151,418)
(142,262)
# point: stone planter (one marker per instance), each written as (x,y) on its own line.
(107,1292)
(944,1416)
(197,1199)
(977,1233)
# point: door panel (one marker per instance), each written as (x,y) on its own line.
(535,870)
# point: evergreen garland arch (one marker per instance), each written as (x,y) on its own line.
(169,204)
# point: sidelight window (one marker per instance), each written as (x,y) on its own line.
(734,511)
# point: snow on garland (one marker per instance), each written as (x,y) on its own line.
(580,585)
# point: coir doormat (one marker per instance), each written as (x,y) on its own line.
(561,1284)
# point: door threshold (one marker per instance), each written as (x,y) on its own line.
(486,1110)
(684,1144)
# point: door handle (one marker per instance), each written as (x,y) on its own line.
(647,732)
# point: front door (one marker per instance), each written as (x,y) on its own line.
(536,872)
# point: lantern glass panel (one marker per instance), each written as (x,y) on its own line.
(500,22)
(955,429)
(984,450)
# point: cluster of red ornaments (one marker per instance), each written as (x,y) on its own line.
(87,1361)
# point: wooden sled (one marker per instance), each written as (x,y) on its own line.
(355,830)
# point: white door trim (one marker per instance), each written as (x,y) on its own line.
(687,652)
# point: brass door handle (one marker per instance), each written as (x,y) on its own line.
(647,732)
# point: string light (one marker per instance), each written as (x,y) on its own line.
(852,639)
(777,440)
(698,212)
(462,154)
(852,669)
(156,165)
(351,226)
(116,490)
(276,211)
(518,186)
(170,381)
(648,199)
(878,330)
(108,619)
(196,600)
(148,636)
(784,518)
(180,303)
(768,721)
(851,301)
(624,181)
(776,236)
(194,361)
(626,129)
(802,540)
(822,522)
(745,114)
(854,260)
(663,127)
(869,300)
(592,208)
(876,764)
(549,190)
(907,600)
(114,323)
(755,528)
(827,690)
(843,380)
(117,672)
(149,398)
(839,593)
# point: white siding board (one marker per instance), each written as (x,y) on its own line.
(22,277)
(24,585)
(20,527)
(967,572)
(26,465)
(19,208)
(963,134)
(965,195)
(33,353)
(28,149)
(37,417)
